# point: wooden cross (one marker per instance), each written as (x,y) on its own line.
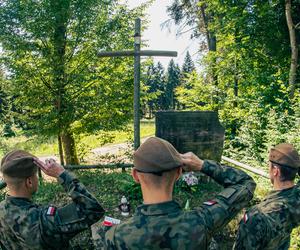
(137,53)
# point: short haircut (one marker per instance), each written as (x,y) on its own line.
(14,181)
(286,173)
(165,179)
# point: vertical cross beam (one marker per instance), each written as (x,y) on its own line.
(137,76)
(137,53)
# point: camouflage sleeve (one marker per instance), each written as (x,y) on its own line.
(252,234)
(109,242)
(239,189)
(61,224)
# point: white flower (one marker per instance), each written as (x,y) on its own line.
(190,179)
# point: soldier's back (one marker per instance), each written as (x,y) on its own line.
(161,226)
(19,224)
(268,225)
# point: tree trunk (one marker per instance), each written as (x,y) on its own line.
(69,147)
(60,150)
(59,75)
(212,47)
(294,48)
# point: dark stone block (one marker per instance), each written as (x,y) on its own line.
(197,131)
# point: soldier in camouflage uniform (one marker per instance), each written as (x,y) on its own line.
(269,224)
(25,225)
(160,223)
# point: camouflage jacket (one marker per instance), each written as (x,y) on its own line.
(25,225)
(167,226)
(269,224)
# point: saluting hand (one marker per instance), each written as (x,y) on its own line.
(191,162)
(50,167)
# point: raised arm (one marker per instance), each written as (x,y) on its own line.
(58,225)
(239,189)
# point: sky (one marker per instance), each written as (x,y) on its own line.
(163,38)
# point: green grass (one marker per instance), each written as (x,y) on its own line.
(42,146)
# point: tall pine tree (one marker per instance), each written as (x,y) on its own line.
(173,80)
(188,65)
(187,68)
(155,84)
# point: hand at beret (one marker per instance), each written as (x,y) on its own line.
(191,162)
(50,167)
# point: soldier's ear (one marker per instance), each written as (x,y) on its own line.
(135,175)
(276,171)
(178,173)
(28,182)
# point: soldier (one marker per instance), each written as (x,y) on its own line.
(160,223)
(26,225)
(268,225)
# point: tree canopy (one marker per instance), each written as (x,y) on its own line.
(59,84)
(246,76)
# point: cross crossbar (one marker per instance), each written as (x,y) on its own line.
(138,53)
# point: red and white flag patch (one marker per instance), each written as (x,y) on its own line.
(109,221)
(210,203)
(246,217)
(51,211)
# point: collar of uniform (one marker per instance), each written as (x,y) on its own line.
(159,208)
(280,192)
(18,200)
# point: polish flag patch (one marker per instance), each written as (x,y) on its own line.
(210,203)
(246,217)
(51,211)
(109,221)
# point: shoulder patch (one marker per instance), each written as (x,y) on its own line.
(245,218)
(51,211)
(109,221)
(210,203)
(227,192)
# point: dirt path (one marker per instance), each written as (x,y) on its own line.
(113,149)
(109,149)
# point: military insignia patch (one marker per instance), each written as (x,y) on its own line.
(209,203)
(109,221)
(246,217)
(51,211)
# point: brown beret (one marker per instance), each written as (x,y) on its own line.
(156,155)
(18,163)
(285,154)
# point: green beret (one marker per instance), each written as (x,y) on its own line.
(156,155)
(285,154)
(18,164)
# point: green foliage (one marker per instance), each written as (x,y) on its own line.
(59,84)
(172,81)
(250,68)
(5,108)
(188,65)
(131,189)
(154,87)
(92,90)
(263,130)
(199,95)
